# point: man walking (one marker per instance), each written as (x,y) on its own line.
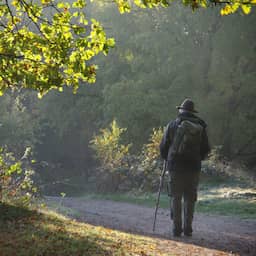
(184,145)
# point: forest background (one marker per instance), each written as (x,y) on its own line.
(161,56)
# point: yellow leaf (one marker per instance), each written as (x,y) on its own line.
(39,95)
(226,10)
(246,8)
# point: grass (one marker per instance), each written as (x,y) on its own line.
(228,199)
(30,233)
(66,211)
(234,207)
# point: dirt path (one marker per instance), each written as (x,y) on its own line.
(228,234)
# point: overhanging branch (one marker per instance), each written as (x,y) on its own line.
(230,2)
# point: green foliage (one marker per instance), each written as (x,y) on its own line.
(127,171)
(47,45)
(16,184)
(230,6)
(111,153)
(151,76)
(162,56)
(151,150)
(151,162)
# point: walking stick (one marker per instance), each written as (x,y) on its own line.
(159,192)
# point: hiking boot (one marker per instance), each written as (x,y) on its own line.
(176,234)
(187,233)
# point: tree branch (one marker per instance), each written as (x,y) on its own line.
(229,2)
(10,12)
(27,8)
(13,56)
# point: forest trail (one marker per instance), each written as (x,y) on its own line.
(224,233)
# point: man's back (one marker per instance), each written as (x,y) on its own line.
(195,152)
(183,146)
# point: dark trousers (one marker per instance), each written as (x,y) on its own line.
(183,185)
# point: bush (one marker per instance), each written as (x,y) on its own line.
(113,157)
(217,166)
(119,170)
(16,184)
(151,163)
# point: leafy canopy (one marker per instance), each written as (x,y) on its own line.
(48,44)
(230,6)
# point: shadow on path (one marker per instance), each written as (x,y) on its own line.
(25,232)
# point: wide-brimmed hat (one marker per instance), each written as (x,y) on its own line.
(188,105)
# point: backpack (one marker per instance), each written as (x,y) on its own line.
(187,139)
